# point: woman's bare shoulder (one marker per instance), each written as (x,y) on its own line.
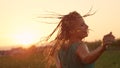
(82,49)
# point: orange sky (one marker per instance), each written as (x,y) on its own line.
(19,23)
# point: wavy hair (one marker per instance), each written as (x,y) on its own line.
(62,38)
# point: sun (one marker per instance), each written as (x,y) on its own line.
(25,38)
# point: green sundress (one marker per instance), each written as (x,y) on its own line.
(69,59)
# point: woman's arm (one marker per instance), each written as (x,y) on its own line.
(89,57)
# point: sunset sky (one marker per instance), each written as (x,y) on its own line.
(20,25)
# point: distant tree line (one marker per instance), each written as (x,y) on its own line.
(114,46)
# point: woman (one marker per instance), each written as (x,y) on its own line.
(69,50)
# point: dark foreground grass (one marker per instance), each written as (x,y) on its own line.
(32,61)
(109,59)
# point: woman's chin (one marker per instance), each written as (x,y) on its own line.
(85,35)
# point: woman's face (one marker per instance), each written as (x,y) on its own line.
(81,29)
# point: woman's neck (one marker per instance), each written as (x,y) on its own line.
(75,40)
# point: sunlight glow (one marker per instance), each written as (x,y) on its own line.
(25,39)
(20,23)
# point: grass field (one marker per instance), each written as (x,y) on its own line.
(17,62)
(109,59)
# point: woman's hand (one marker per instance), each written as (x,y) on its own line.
(108,39)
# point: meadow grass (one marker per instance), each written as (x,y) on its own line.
(17,62)
(109,59)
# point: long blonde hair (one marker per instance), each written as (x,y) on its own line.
(63,35)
